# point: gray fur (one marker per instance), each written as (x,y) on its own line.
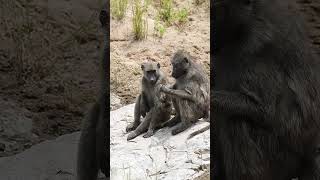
(151,104)
(190,93)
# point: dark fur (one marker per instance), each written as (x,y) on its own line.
(153,105)
(266,94)
(190,93)
(92,149)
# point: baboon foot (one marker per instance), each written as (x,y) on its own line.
(172,122)
(132,127)
(181,127)
(132,135)
(148,134)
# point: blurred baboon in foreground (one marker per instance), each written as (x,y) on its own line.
(92,149)
(266,93)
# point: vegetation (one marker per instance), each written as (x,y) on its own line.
(166,12)
(169,16)
(140,24)
(159,29)
(119,8)
(181,16)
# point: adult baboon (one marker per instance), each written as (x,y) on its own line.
(266,93)
(190,93)
(152,104)
(92,149)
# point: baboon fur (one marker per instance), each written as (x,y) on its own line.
(92,149)
(151,104)
(266,93)
(190,93)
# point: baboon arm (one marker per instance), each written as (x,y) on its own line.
(184,94)
(242,104)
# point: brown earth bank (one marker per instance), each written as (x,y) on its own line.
(50,53)
(49,57)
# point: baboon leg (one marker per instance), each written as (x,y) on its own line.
(143,105)
(176,119)
(156,116)
(185,124)
(187,116)
(101,138)
(136,122)
(172,122)
(143,127)
(87,167)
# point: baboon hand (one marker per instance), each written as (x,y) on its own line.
(164,88)
(162,97)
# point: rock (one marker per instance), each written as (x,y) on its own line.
(160,157)
(115,102)
(43,161)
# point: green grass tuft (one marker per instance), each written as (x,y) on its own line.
(140,25)
(119,8)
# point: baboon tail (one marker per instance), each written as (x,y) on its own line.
(87,167)
(198,132)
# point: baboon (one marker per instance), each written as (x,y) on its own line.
(266,94)
(151,104)
(190,93)
(92,149)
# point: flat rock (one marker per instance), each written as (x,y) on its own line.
(161,156)
(14,120)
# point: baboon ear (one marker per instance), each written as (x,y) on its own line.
(186,59)
(142,66)
(158,65)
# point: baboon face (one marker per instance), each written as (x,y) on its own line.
(151,71)
(180,65)
(231,19)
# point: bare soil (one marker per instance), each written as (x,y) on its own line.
(128,54)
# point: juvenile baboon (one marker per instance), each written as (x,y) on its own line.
(190,93)
(92,149)
(151,104)
(266,93)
